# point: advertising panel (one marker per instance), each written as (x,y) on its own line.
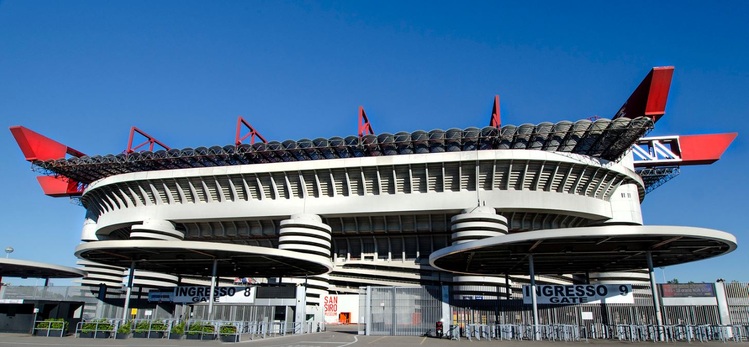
(341,309)
(685,290)
(331,305)
(580,294)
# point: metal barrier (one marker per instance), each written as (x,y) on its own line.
(741,333)
(478,331)
(550,332)
(680,332)
(453,332)
(193,329)
(98,328)
(50,327)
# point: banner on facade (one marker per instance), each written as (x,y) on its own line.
(331,305)
(580,294)
(686,290)
(197,294)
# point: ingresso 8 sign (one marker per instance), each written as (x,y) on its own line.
(580,294)
(196,294)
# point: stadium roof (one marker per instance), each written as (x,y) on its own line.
(196,258)
(578,250)
(601,138)
(33,269)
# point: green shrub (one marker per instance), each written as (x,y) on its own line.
(142,326)
(96,325)
(125,328)
(178,328)
(200,327)
(227,329)
(52,324)
(158,325)
(209,329)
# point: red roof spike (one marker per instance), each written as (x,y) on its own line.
(496,120)
(649,98)
(36,146)
(252,134)
(364,125)
(150,140)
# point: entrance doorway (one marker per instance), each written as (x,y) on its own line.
(344,318)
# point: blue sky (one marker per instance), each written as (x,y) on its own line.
(84,72)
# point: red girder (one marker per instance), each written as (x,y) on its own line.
(495,120)
(649,98)
(252,134)
(365,127)
(704,149)
(60,186)
(150,140)
(681,150)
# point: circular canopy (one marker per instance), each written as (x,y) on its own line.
(196,258)
(580,250)
(32,269)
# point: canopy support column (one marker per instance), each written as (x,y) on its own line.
(213,288)
(654,293)
(128,292)
(534,300)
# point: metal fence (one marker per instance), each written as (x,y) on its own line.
(390,309)
(401,311)
(737,295)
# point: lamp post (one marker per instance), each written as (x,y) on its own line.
(8,251)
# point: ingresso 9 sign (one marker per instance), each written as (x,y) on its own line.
(580,294)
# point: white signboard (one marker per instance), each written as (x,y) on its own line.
(341,309)
(197,294)
(580,294)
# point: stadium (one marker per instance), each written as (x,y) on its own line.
(476,213)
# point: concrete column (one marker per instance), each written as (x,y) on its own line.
(654,293)
(300,313)
(447,317)
(213,287)
(534,300)
(368,312)
(126,307)
(723,312)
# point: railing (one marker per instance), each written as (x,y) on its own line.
(621,332)
(551,332)
(194,329)
(50,328)
(671,333)
(98,328)
(308,327)
(453,333)
(150,328)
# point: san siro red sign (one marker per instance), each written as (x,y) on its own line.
(330,305)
